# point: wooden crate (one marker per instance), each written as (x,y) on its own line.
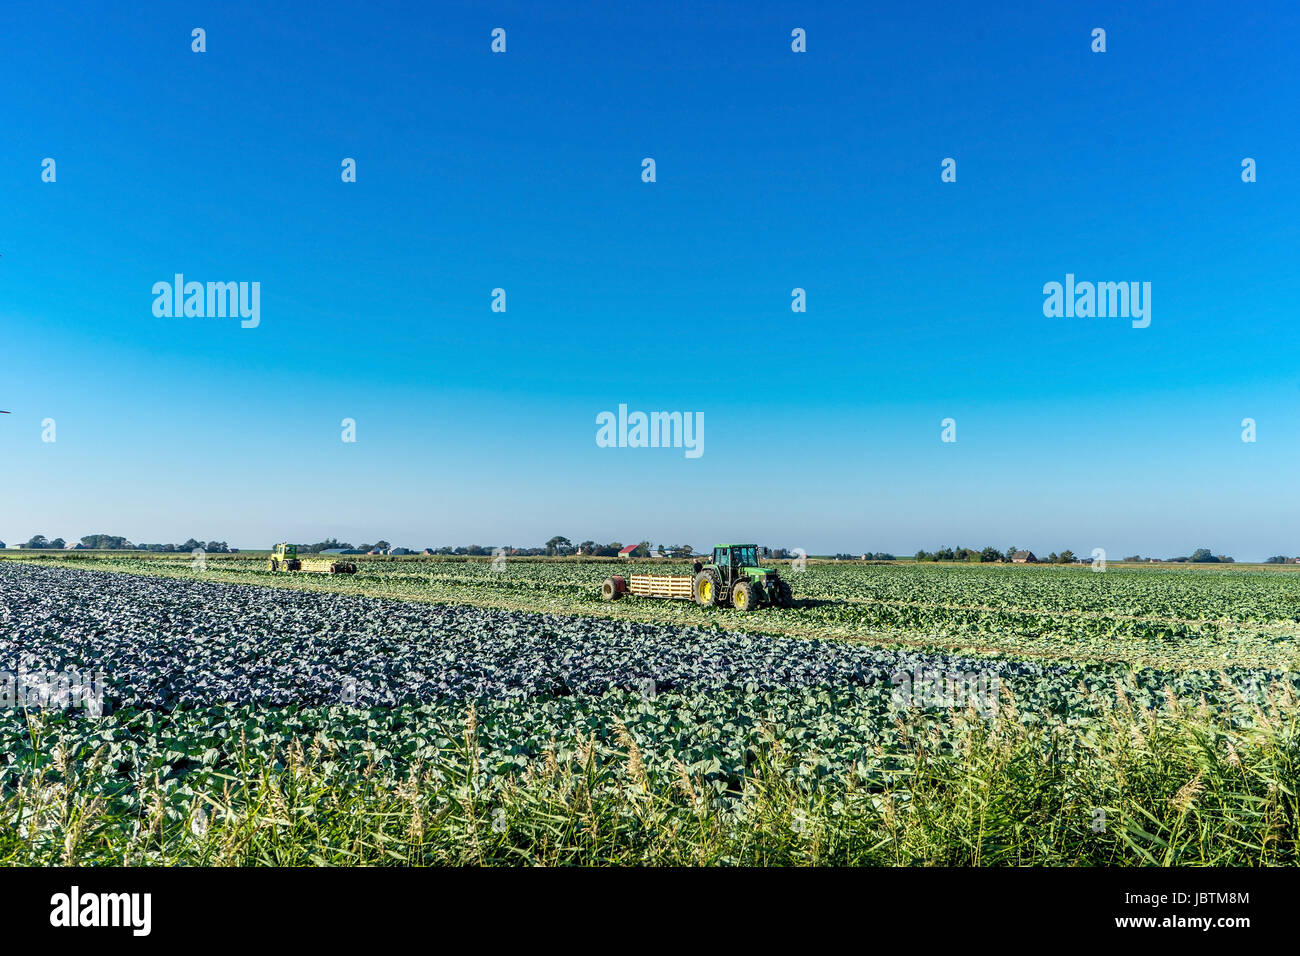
(662,586)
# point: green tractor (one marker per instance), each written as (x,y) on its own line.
(733,577)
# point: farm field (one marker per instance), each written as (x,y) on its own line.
(1172,616)
(431,711)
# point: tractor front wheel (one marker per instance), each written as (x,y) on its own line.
(744,596)
(785,595)
(708,589)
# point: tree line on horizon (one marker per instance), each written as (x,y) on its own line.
(984,555)
(111,542)
(991,554)
(560,546)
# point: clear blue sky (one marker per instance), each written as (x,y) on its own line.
(775,170)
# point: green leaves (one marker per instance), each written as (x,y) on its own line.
(1158,697)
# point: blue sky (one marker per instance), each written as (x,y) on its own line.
(775,170)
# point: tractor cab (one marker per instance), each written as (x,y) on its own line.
(284,558)
(736,561)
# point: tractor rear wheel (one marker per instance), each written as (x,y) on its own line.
(612,589)
(707,588)
(744,596)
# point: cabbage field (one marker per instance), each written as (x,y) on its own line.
(430,711)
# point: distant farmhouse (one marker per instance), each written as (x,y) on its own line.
(1024,557)
(627,552)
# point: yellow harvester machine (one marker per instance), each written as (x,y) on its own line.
(285,558)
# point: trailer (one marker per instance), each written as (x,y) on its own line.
(672,586)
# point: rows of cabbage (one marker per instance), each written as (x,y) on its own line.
(500,696)
(189,671)
(1157,617)
(861,737)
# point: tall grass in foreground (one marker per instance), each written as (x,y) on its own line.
(1174,786)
